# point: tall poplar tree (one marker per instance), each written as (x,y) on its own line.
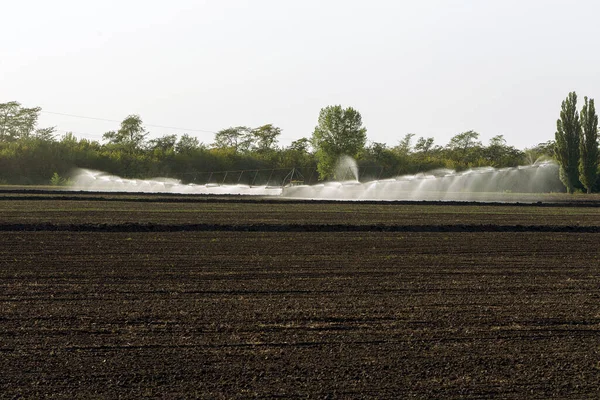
(588,145)
(568,131)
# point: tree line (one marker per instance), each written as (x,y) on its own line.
(576,148)
(32,155)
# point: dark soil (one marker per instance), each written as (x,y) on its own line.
(151,227)
(345,308)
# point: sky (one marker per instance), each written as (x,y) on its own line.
(434,68)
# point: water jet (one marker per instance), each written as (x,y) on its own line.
(477,184)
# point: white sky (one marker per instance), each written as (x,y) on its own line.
(429,67)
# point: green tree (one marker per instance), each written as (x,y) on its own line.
(131,135)
(464,142)
(301,145)
(588,145)
(164,143)
(69,139)
(379,158)
(17,122)
(540,151)
(498,154)
(568,132)
(464,150)
(187,144)
(237,138)
(44,134)
(339,132)
(405,145)
(265,137)
(424,145)
(297,154)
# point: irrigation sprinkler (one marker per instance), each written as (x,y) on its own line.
(441,184)
(290,177)
(311,175)
(254,179)
(270,176)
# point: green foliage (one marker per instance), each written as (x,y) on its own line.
(265,137)
(45,134)
(35,156)
(568,132)
(424,145)
(339,132)
(18,123)
(405,146)
(243,139)
(58,180)
(165,143)
(239,138)
(297,154)
(188,144)
(498,153)
(131,136)
(465,149)
(378,159)
(541,151)
(588,145)
(301,145)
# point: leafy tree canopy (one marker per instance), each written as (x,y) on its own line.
(131,135)
(17,122)
(339,132)
(265,137)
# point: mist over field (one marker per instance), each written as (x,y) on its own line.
(99,181)
(441,184)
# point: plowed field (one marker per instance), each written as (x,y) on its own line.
(293,300)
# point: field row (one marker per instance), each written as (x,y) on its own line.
(202,212)
(240,314)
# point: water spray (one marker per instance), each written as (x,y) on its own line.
(97,181)
(440,184)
